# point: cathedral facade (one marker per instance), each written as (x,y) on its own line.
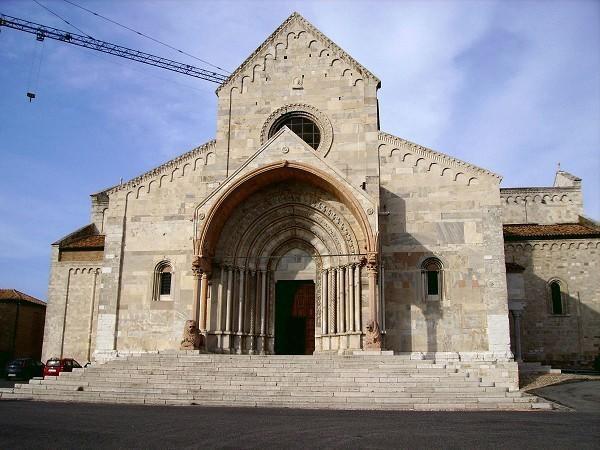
(303,228)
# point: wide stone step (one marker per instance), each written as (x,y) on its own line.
(328,382)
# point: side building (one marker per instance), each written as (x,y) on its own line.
(21,325)
(553,266)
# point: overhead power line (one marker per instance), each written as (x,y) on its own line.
(61,18)
(42,32)
(144,35)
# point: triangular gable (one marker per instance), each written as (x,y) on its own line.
(395,143)
(286,137)
(296,18)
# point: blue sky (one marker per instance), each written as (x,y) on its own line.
(510,86)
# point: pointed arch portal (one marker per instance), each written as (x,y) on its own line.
(283,226)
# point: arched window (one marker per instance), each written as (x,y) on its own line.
(163,281)
(557,297)
(301,124)
(432,279)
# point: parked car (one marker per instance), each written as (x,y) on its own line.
(24,368)
(54,366)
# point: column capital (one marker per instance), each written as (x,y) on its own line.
(201,264)
(371,261)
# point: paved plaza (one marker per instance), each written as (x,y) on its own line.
(70,425)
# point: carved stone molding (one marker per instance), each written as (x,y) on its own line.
(201,264)
(316,115)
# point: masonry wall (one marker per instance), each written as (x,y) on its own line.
(571,339)
(434,208)
(298,68)
(21,337)
(72,312)
(151,223)
(541,205)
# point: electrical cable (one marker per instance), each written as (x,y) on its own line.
(144,35)
(64,20)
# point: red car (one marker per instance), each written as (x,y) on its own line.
(54,366)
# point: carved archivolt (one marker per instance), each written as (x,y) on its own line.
(264,210)
(320,119)
(277,215)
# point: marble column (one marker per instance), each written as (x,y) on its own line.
(240,310)
(220,296)
(203,300)
(342,300)
(263,311)
(324,301)
(332,301)
(350,315)
(373,339)
(253,297)
(357,297)
(516,313)
(196,294)
(228,306)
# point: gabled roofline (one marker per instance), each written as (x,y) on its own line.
(296,16)
(86,230)
(14,295)
(204,148)
(427,152)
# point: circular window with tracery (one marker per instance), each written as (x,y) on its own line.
(306,121)
(300,124)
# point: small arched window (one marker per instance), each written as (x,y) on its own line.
(163,281)
(301,124)
(557,297)
(432,279)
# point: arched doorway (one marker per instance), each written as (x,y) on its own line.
(245,236)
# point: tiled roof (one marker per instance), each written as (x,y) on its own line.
(87,242)
(14,295)
(85,238)
(520,232)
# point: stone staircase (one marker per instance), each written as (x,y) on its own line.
(324,382)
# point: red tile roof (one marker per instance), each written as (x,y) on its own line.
(520,232)
(14,295)
(87,242)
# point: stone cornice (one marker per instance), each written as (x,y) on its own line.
(537,190)
(436,156)
(549,244)
(173,163)
(312,29)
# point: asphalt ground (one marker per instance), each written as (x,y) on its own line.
(28,424)
(582,396)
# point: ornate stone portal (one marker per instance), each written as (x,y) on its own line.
(254,239)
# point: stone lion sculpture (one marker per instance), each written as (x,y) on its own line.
(192,340)
(373,336)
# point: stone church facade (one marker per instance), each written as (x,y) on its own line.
(303,228)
